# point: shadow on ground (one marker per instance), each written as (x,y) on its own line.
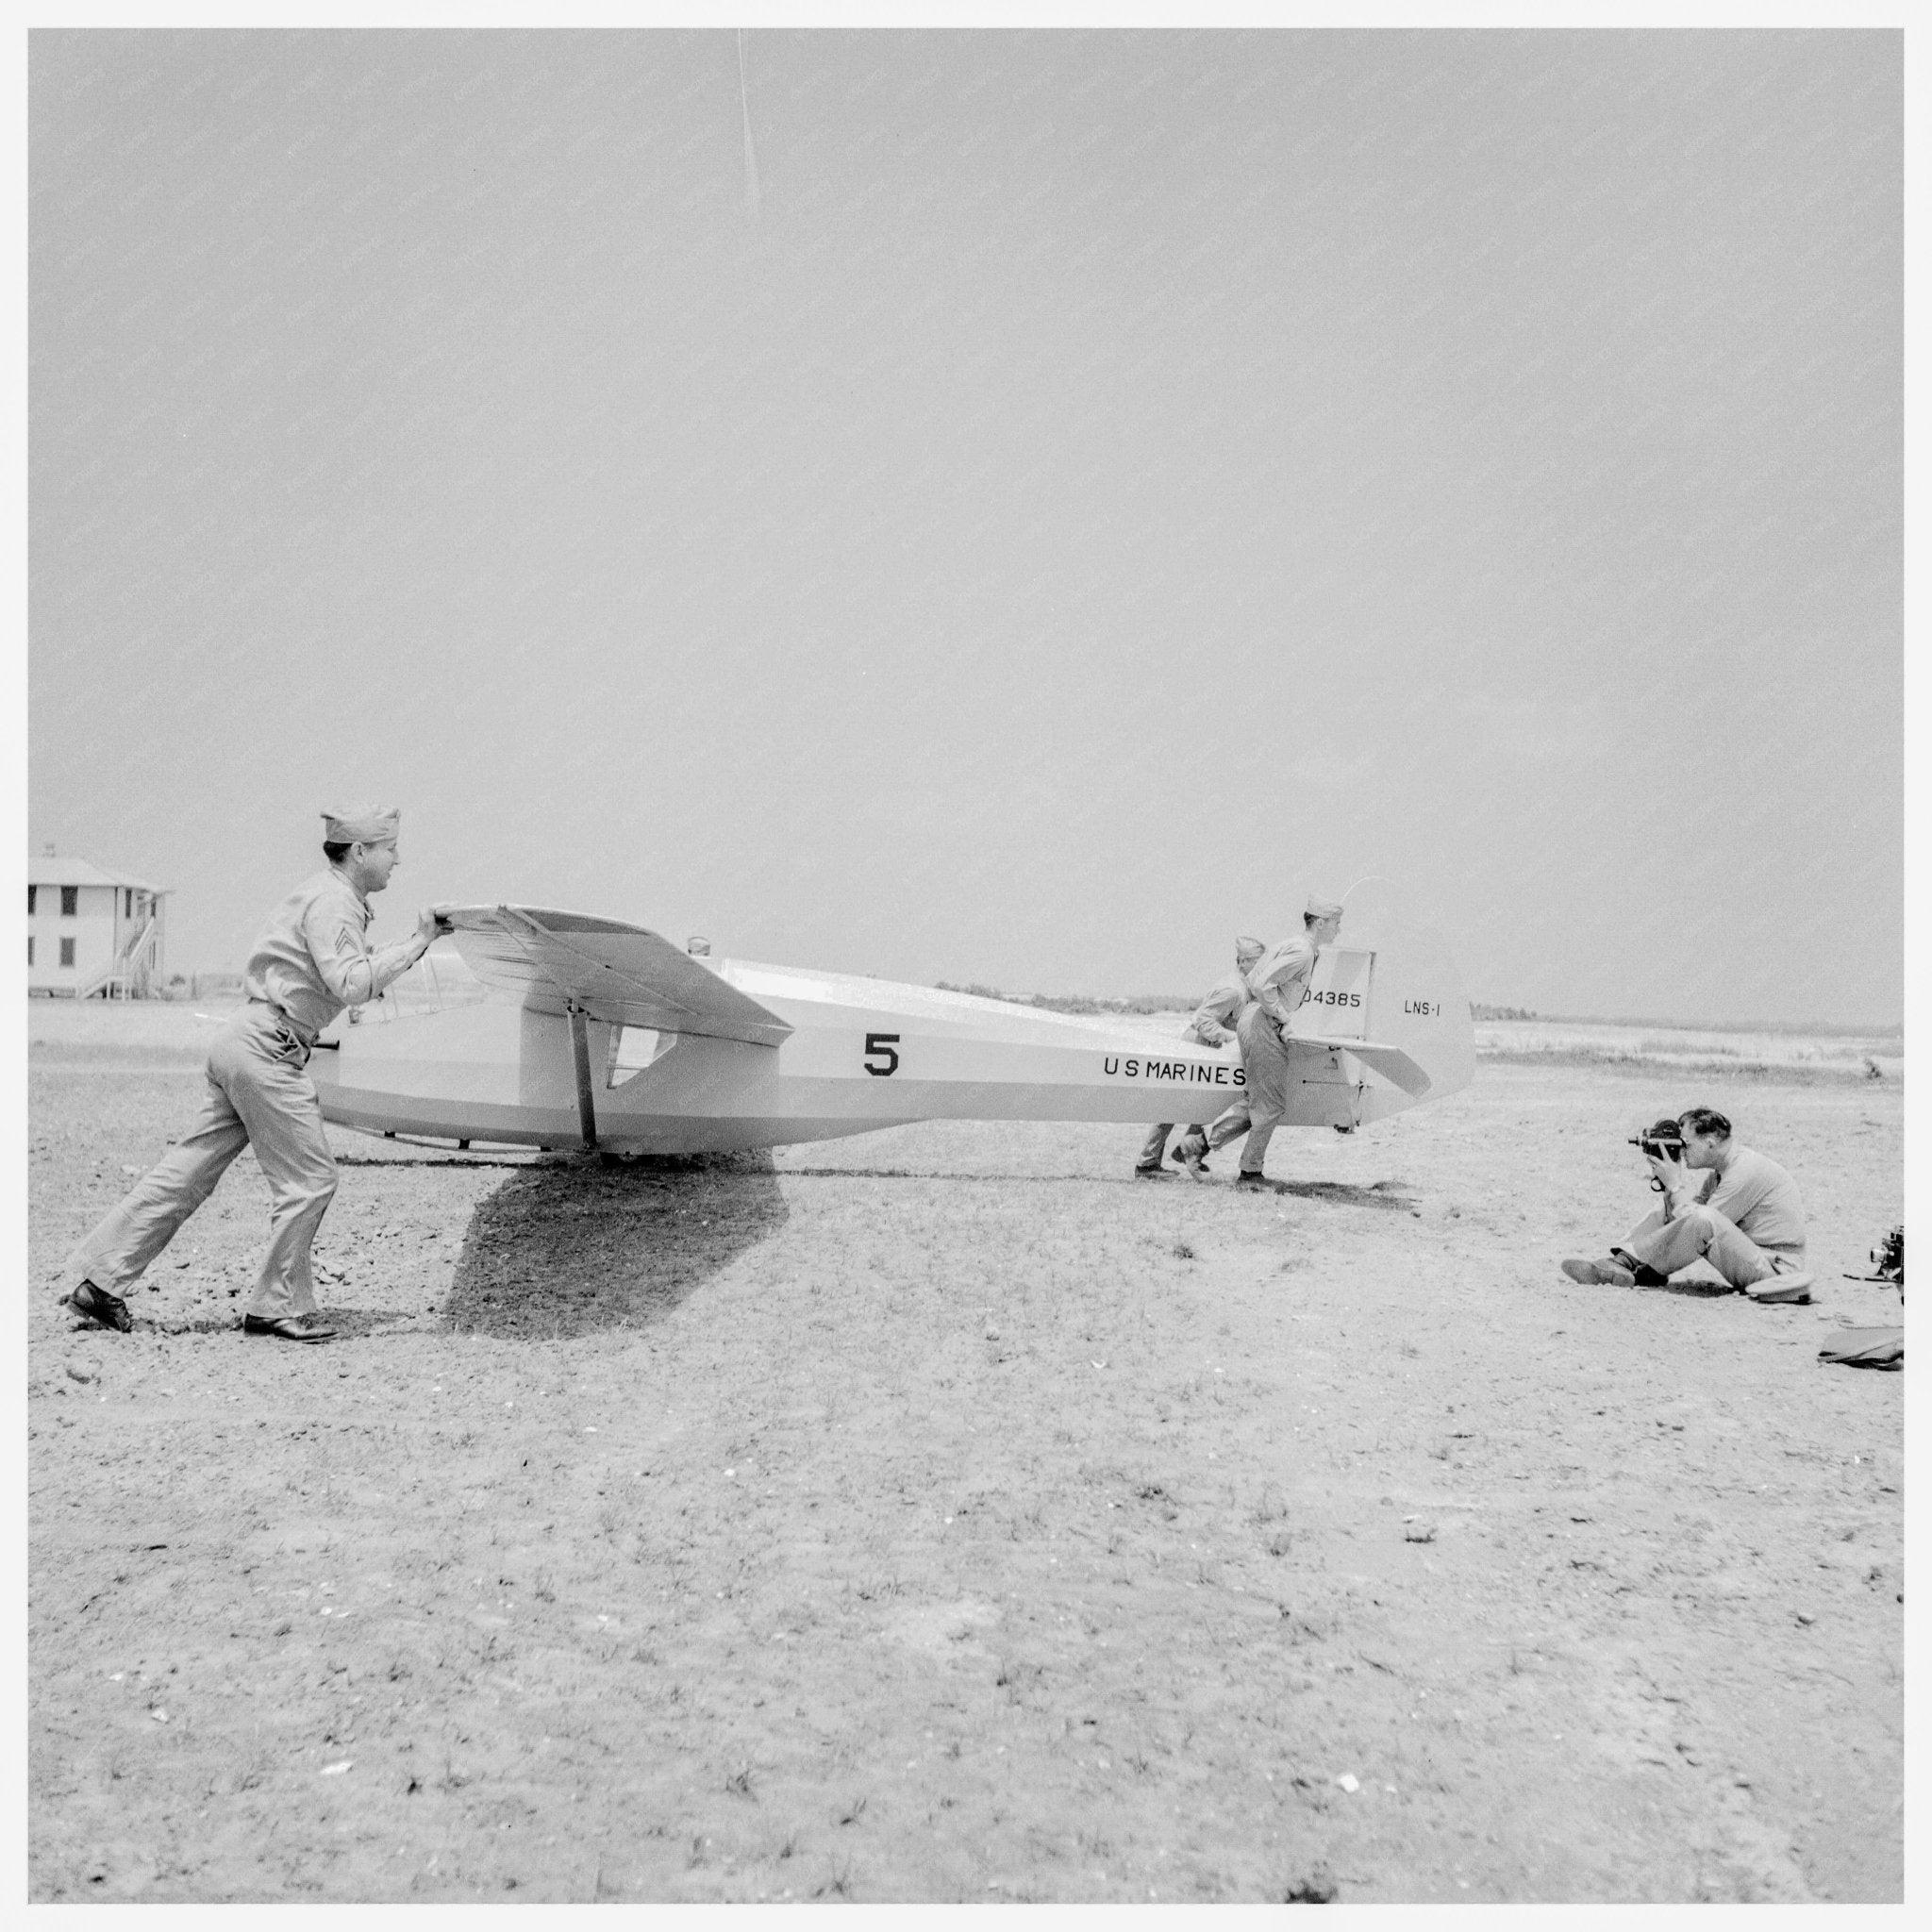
(349,1324)
(1376,1194)
(1704,1287)
(579,1248)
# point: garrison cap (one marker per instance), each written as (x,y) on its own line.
(1324,908)
(369,824)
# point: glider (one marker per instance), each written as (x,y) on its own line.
(573,1031)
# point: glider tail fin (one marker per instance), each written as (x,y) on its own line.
(1396,1005)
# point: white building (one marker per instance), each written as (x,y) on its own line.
(91,934)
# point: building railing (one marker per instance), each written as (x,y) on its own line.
(135,968)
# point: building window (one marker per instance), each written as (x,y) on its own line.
(30,951)
(33,893)
(67,952)
(127,897)
(70,901)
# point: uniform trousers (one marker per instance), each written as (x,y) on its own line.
(1155,1146)
(1226,1126)
(1264,1065)
(258,1096)
(1668,1246)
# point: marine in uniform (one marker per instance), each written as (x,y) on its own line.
(1212,1026)
(313,961)
(1279,983)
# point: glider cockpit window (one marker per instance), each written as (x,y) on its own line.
(633,1049)
(438,980)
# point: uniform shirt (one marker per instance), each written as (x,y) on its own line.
(1214,1018)
(1760,1198)
(313,960)
(1279,978)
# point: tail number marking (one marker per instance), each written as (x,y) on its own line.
(1429,1010)
(883,1046)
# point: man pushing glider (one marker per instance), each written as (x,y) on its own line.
(311,962)
(1279,982)
(1214,1023)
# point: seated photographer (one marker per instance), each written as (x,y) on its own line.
(1743,1216)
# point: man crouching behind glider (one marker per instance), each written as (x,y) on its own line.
(1213,1024)
(310,963)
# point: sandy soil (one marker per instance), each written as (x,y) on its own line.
(943,1515)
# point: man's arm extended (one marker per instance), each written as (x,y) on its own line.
(352,972)
(1212,1016)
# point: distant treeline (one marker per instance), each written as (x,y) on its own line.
(1154,1003)
(1079,1002)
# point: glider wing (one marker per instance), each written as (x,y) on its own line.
(622,975)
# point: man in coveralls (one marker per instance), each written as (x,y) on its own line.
(311,962)
(1213,1024)
(1279,983)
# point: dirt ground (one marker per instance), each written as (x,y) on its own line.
(943,1514)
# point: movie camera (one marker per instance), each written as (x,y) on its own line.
(1663,1141)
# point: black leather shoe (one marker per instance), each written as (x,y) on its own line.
(97,1304)
(1608,1273)
(1246,1179)
(289,1327)
(1150,1173)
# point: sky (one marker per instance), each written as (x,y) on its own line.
(1010,507)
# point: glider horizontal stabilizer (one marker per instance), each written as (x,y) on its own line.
(625,975)
(1394,1065)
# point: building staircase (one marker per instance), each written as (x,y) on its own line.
(135,972)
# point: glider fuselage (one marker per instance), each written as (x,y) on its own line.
(858,1053)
